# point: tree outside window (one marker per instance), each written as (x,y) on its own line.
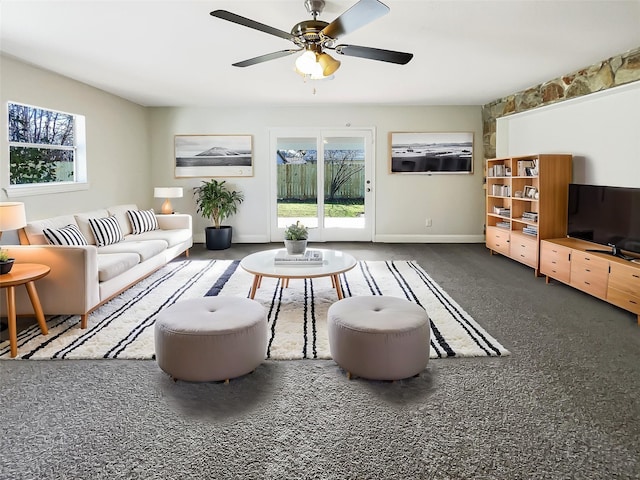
(42,146)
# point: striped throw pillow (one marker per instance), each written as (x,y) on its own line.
(69,235)
(105,230)
(142,220)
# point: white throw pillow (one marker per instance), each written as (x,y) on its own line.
(69,235)
(142,220)
(106,230)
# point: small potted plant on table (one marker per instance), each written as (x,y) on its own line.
(295,238)
(215,201)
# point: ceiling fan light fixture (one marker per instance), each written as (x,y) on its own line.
(329,64)
(306,63)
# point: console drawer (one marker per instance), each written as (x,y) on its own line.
(555,261)
(589,273)
(624,278)
(624,300)
(524,250)
(498,240)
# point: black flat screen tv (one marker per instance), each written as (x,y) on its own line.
(606,215)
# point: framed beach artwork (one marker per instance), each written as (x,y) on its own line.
(431,152)
(213,156)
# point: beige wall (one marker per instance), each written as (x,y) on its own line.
(118,160)
(403,202)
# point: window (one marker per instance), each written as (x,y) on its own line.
(46,150)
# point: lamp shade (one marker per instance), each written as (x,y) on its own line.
(328,63)
(167,192)
(12,216)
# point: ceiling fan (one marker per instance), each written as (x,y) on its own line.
(315,37)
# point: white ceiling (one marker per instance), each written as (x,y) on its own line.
(173,53)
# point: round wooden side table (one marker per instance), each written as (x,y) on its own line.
(23,274)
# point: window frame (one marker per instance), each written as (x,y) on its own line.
(80,181)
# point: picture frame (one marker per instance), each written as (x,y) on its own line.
(213,155)
(431,152)
(530,192)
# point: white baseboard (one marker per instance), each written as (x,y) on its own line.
(199,238)
(430,238)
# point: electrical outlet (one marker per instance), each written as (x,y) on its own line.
(427,222)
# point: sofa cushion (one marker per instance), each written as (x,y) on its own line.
(106,230)
(82,219)
(171,237)
(111,265)
(67,235)
(142,221)
(120,212)
(144,249)
(34,229)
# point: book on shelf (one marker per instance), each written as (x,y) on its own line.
(503,211)
(530,231)
(531,216)
(309,257)
(501,190)
(503,224)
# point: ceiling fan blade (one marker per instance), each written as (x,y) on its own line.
(363,12)
(390,56)
(265,58)
(232,17)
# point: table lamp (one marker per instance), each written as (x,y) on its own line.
(12,216)
(167,193)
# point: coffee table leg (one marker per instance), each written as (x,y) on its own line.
(11,318)
(37,308)
(335,279)
(255,285)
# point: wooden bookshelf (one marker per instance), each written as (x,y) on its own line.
(526,202)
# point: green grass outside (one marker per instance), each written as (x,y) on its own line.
(310,210)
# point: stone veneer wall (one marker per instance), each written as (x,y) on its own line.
(610,73)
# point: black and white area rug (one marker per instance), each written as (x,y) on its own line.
(123,327)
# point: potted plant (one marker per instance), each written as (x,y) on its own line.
(215,201)
(6,263)
(295,238)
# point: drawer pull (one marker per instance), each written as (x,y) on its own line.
(587,283)
(633,301)
(522,255)
(554,262)
(587,270)
(634,275)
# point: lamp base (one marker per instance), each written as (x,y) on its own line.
(166,207)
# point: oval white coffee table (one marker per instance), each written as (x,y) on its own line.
(262,264)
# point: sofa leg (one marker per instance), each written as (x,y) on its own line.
(84,320)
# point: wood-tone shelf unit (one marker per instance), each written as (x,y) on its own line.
(510,230)
(604,276)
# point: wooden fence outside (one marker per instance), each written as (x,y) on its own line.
(298,181)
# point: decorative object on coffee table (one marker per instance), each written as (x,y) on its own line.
(295,238)
(216,202)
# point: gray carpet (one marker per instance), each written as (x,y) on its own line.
(565,404)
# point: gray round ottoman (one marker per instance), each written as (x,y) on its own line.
(378,337)
(211,338)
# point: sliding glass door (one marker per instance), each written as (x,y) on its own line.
(323,179)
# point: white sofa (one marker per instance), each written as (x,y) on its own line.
(84,277)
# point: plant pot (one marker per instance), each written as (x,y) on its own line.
(295,247)
(218,238)
(6,266)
